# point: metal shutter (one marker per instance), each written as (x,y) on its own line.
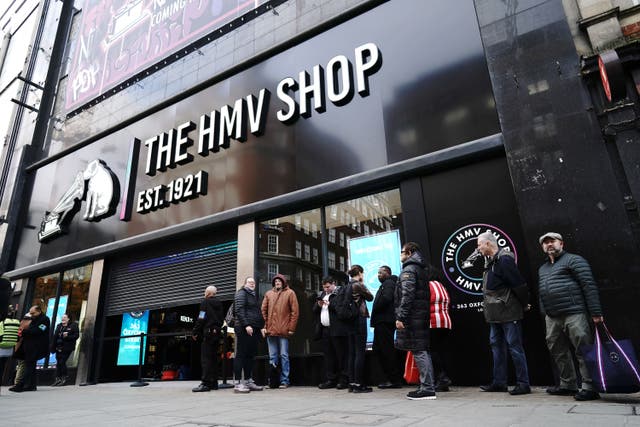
(173,279)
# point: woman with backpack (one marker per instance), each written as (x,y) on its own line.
(359,293)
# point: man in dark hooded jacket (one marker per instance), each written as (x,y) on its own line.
(412,317)
(35,343)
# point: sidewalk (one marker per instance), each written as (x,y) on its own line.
(173,404)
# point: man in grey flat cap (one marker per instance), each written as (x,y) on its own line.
(568,299)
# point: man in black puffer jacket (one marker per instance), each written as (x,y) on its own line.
(412,301)
(568,298)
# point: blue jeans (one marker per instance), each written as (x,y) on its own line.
(279,348)
(503,336)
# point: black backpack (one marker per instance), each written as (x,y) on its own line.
(230,318)
(346,308)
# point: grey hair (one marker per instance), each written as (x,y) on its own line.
(211,290)
(489,237)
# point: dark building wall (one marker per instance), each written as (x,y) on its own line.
(563,178)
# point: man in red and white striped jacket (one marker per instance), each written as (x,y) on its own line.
(440,322)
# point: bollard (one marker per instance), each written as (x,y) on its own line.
(139,382)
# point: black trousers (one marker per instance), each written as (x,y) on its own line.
(385,351)
(440,352)
(209,361)
(246,350)
(61,363)
(357,349)
(335,357)
(29,378)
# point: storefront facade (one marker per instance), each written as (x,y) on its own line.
(368,124)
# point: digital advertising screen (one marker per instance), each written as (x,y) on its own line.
(119,38)
(371,252)
(133,323)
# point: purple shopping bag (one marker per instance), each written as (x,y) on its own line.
(613,364)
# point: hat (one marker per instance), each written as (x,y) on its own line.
(550,235)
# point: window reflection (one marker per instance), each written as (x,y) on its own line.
(368,215)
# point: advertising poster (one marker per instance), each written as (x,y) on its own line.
(119,38)
(371,252)
(133,323)
(62,309)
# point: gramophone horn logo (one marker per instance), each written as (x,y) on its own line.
(97,185)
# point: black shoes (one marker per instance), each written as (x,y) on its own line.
(520,389)
(18,388)
(421,395)
(342,386)
(443,384)
(357,388)
(494,388)
(388,384)
(584,395)
(201,388)
(560,391)
(327,384)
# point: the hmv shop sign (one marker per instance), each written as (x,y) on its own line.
(463,265)
(98,188)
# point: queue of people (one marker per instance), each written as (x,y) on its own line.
(413,307)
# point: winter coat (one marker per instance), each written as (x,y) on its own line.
(383,309)
(65,344)
(9,333)
(567,287)
(505,292)
(209,320)
(35,338)
(412,305)
(280,312)
(247,310)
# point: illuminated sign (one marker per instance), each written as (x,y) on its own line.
(372,252)
(133,323)
(118,39)
(458,248)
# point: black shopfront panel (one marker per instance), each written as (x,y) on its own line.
(423,95)
(460,204)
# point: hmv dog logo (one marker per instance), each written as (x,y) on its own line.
(97,185)
(462,264)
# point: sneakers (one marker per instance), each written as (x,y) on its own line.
(342,386)
(253,386)
(283,385)
(443,384)
(56,382)
(241,388)
(201,388)
(421,395)
(560,391)
(327,384)
(520,389)
(18,388)
(494,388)
(584,395)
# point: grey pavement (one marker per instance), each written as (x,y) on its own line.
(173,404)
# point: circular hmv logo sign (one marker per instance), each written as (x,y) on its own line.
(463,266)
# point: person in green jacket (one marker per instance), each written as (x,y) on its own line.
(8,338)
